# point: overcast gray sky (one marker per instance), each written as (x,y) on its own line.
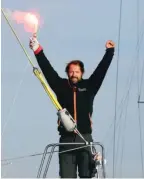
(72,30)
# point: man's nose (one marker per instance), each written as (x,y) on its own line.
(74,73)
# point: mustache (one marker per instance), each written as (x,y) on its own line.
(74,77)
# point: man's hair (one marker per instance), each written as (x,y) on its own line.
(75,62)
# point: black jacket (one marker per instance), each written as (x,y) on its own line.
(79,100)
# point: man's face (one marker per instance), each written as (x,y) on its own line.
(74,73)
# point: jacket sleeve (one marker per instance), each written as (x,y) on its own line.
(51,76)
(97,77)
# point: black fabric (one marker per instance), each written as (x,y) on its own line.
(86,89)
(70,160)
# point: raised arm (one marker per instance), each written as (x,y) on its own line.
(97,77)
(52,77)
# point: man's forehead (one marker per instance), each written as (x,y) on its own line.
(74,66)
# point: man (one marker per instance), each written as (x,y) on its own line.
(76,95)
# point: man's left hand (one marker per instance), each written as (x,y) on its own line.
(110,44)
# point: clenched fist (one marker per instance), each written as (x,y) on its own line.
(110,44)
(34,44)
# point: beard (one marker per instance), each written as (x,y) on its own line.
(74,79)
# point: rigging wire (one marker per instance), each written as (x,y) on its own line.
(119,33)
(123,138)
(128,87)
(138,88)
(142,75)
(37,154)
(14,100)
(139,93)
(137,55)
(123,101)
(141,147)
(117,125)
(129,82)
(122,129)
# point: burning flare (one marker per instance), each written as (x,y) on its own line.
(31,21)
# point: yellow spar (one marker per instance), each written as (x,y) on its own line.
(39,75)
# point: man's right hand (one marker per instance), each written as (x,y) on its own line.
(34,44)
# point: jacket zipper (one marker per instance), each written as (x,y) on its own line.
(74,98)
(75,111)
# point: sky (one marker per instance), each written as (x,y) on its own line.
(73,30)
